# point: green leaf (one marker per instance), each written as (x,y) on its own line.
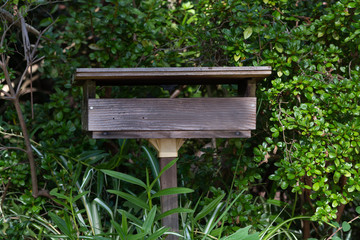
(154,164)
(351,5)
(279,47)
(79,196)
(171,191)
(316,187)
(95,47)
(346,226)
(242,234)
(125,177)
(248,32)
(337,176)
(158,233)
(130,217)
(102,204)
(60,223)
(118,229)
(358,210)
(208,208)
(169,165)
(135,200)
(149,220)
(172,211)
(284,185)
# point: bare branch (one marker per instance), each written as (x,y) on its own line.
(19,136)
(12,148)
(6,93)
(4,4)
(12,19)
(21,80)
(26,41)
(3,66)
(39,37)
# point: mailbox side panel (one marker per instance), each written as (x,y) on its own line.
(180,114)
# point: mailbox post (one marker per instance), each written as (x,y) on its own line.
(166,122)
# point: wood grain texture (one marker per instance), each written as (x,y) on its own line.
(251,88)
(169,134)
(180,114)
(172,75)
(89,89)
(169,180)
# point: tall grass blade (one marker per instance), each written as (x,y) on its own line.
(136,236)
(213,218)
(86,179)
(61,224)
(169,165)
(96,219)
(135,200)
(226,211)
(154,165)
(158,233)
(102,204)
(242,234)
(277,227)
(125,177)
(208,208)
(172,211)
(118,229)
(171,191)
(130,216)
(149,221)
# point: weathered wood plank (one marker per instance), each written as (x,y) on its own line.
(170,134)
(89,89)
(173,75)
(179,114)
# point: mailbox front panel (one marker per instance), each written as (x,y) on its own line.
(180,114)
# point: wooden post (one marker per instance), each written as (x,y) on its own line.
(167,151)
(169,180)
(251,88)
(89,89)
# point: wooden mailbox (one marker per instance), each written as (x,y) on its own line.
(167,121)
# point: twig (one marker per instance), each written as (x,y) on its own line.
(177,91)
(19,136)
(5,192)
(329,238)
(6,93)
(12,148)
(9,17)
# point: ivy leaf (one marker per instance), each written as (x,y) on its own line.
(248,32)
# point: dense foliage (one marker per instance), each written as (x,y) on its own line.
(303,159)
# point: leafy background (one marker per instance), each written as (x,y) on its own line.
(303,159)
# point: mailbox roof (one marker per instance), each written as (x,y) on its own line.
(169,75)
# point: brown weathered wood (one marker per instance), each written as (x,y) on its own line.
(170,134)
(169,180)
(89,89)
(164,114)
(251,88)
(173,75)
